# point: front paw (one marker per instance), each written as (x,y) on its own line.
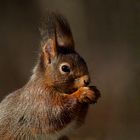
(88,94)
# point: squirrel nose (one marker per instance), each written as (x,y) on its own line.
(86,82)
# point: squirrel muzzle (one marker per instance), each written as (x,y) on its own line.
(82,81)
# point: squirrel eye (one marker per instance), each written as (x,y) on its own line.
(65,68)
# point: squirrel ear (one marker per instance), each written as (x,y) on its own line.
(56,34)
(49,50)
(63,32)
(65,41)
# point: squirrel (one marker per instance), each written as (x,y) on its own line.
(56,98)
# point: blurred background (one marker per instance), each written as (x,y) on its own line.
(107,35)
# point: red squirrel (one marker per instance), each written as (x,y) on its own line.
(56,98)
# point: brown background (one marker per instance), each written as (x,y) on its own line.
(107,35)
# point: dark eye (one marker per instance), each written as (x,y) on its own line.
(65,68)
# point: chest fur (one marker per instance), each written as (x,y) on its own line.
(57,134)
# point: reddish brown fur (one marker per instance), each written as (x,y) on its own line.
(50,101)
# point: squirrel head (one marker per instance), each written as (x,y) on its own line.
(60,65)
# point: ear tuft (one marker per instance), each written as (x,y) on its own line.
(56,26)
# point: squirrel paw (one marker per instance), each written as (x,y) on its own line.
(88,94)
